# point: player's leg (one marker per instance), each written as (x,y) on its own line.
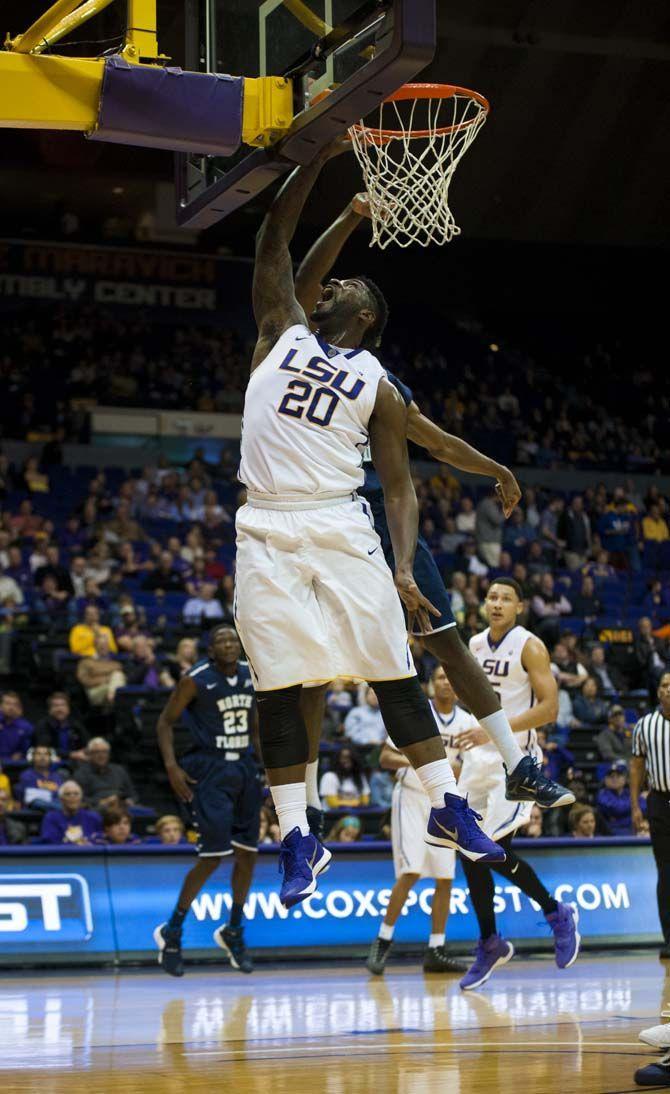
(381,945)
(167,936)
(492,950)
(441,863)
(244,840)
(313,706)
(562,918)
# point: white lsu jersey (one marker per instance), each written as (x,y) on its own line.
(509,679)
(306,414)
(449,725)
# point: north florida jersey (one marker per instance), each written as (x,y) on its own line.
(372,487)
(306,413)
(450,726)
(219,717)
(502,664)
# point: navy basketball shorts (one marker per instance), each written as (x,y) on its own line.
(427,577)
(226,804)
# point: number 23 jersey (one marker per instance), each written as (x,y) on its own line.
(219,717)
(306,413)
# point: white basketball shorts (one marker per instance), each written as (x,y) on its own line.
(411,854)
(482,781)
(314,597)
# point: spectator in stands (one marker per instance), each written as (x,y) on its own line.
(602,568)
(654,525)
(51,604)
(143,669)
(203,609)
(364,725)
(129,628)
(610,680)
(532,830)
(381,789)
(78,575)
(165,577)
(617,530)
(339,700)
(556,758)
(122,526)
(345,785)
(71,823)
(650,654)
(16,732)
(345,830)
(55,569)
(548,606)
(100,675)
(466,518)
(569,673)
(59,731)
(575,531)
(586,604)
(11,595)
(38,785)
(116,828)
(11,830)
(489,528)
(614,742)
(183,661)
(83,635)
(549,525)
(537,562)
(104,783)
(170,830)
(613,800)
(588,708)
(582,821)
(656,604)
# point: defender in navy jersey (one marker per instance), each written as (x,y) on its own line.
(525,780)
(219,779)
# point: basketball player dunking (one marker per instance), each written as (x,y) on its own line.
(525,780)
(517,664)
(312,582)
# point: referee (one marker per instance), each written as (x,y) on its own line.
(651,754)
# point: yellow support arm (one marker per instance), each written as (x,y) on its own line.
(141,39)
(267,110)
(71,22)
(39,30)
(49,92)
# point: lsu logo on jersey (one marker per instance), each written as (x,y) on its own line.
(318,390)
(496,668)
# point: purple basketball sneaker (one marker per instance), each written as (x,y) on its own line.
(489,955)
(567,938)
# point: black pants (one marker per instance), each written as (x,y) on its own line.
(482,888)
(658,814)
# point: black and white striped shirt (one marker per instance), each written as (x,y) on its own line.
(651,740)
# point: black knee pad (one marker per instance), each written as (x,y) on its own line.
(406,711)
(281,727)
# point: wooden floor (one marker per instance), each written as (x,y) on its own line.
(332,1030)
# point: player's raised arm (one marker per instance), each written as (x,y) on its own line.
(388,428)
(184,693)
(323,254)
(273,294)
(458,453)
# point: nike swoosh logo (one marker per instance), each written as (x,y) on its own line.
(310,862)
(210,686)
(452,835)
(515,868)
(373,550)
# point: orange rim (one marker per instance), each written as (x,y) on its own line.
(424,91)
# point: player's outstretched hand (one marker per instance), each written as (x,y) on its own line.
(360,203)
(181,782)
(471,738)
(419,608)
(508,490)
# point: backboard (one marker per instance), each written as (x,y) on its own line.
(358,50)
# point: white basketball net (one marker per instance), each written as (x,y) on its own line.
(407,175)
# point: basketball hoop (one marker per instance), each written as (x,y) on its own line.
(409,158)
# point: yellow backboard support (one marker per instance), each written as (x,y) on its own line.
(49,92)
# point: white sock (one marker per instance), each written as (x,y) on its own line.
(437,779)
(499,730)
(290,805)
(435,940)
(386,931)
(311,780)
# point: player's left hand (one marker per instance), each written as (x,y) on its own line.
(471,738)
(419,608)
(508,490)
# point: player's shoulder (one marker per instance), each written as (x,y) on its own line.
(200,670)
(405,392)
(463,720)
(244,675)
(478,641)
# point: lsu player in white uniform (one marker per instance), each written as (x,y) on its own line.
(413,858)
(311,580)
(518,666)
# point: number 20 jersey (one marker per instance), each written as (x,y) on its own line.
(306,414)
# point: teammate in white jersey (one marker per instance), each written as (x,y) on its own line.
(413,858)
(518,666)
(311,580)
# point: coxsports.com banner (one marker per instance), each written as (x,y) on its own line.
(104,904)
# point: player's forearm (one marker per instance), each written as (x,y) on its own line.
(279,225)
(165,734)
(322,256)
(461,455)
(402,517)
(390,760)
(541,714)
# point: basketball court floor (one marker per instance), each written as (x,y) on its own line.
(333,1029)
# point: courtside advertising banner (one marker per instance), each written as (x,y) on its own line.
(104,904)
